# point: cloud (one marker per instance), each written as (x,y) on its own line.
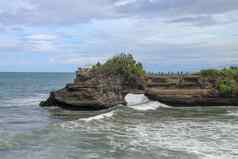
(82,60)
(196,20)
(178,8)
(44,37)
(124,2)
(35,12)
(169,32)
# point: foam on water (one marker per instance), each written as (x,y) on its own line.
(98,117)
(151,105)
(135,101)
(209,140)
(77,123)
(21,101)
(232,113)
(142,103)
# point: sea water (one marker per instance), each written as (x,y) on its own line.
(142,130)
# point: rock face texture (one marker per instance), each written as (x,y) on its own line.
(187,90)
(93,91)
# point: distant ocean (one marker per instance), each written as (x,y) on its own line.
(149,130)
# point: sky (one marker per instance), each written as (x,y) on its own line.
(165,35)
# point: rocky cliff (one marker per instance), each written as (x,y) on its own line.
(93,90)
(186,90)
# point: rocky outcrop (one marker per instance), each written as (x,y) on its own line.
(93,91)
(189,90)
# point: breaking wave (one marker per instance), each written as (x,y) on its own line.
(134,101)
(232,113)
(77,123)
(22,101)
(142,103)
(98,117)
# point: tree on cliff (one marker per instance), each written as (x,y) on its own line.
(122,64)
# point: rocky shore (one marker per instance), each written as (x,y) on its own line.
(94,91)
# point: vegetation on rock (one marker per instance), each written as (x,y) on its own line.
(227,88)
(122,64)
(226,80)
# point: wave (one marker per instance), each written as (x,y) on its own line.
(232,113)
(135,101)
(142,103)
(151,105)
(98,117)
(77,123)
(21,101)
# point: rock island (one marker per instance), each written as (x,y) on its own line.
(105,85)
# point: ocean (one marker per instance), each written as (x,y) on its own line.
(143,130)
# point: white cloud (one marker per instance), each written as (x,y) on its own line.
(13,6)
(165,31)
(43,37)
(80,60)
(44,12)
(124,2)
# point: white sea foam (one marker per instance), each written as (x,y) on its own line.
(77,123)
(98,117)
(142,103)
(20,101)
(233,113)
(151,105)
(135,99)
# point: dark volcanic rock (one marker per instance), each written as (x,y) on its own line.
(93,91)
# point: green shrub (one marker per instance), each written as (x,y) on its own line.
(227,88)
(226,80)
(210,73)
(231,72)
(122,64)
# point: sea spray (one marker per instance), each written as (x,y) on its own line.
(137,102)
(77,123)
(232,113)
(151,105)
(98,117)
(142,103)
(136,99)
(22,101)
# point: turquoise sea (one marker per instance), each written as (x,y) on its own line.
(142,131)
